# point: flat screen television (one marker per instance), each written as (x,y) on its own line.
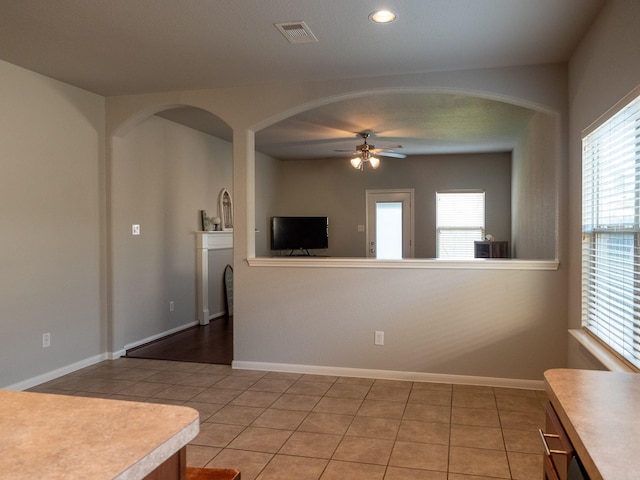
(299,233)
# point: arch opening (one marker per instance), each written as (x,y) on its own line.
(167,163)
(451,140)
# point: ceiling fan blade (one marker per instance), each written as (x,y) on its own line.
(368,149)
(391,154)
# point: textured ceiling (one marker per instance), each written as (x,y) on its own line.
(116,47)
(411,123)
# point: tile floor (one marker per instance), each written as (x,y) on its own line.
(272,425)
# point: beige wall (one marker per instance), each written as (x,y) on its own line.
(51,211)
(460,322)
(463,322)
(537,179)
(331,187)
(162,175)
(502,324)
(265,197)
(602,71)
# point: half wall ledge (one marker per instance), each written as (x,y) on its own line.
(475,264)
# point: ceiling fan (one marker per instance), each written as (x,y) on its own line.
(366,153)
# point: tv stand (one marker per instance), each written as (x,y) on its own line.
(305,253)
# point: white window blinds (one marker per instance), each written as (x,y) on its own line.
(611,229)
(459,222)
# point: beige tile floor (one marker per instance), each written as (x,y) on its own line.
(283,426)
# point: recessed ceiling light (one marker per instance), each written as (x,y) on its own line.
(382,16)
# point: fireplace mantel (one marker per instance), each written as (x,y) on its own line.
(206,241)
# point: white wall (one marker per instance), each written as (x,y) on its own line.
(51,277)
(602,71)
(162,175)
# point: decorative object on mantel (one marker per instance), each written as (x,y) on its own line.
(204,221)
(208,224)
(226,210)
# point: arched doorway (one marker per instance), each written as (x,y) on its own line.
(166,166)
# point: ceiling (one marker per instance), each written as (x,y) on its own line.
(118,47)
(408,123)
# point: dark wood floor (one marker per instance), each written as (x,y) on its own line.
(211,343)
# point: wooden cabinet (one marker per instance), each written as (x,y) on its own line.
(494,249)
(558,449)
(173,468)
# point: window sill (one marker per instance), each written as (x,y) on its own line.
(427,263)
(600,352)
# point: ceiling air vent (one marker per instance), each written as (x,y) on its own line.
(296,32)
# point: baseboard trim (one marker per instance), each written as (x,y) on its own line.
(52,375)
(155,337)
(392,375)
(117,354)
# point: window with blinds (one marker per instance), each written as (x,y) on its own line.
(611,229)
(459,222)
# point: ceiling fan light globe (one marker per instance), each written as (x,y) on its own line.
(374,162)
(356,163)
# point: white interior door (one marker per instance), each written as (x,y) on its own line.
(389,224)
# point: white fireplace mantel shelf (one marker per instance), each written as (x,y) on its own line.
(206,241)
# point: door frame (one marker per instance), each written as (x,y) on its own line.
(394,195)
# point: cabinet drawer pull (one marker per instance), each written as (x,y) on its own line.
(548,451)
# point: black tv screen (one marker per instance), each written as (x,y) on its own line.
(299,233)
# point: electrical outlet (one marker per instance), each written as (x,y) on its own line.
(135,229)
(46,340)
(378,338)
(172,306)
